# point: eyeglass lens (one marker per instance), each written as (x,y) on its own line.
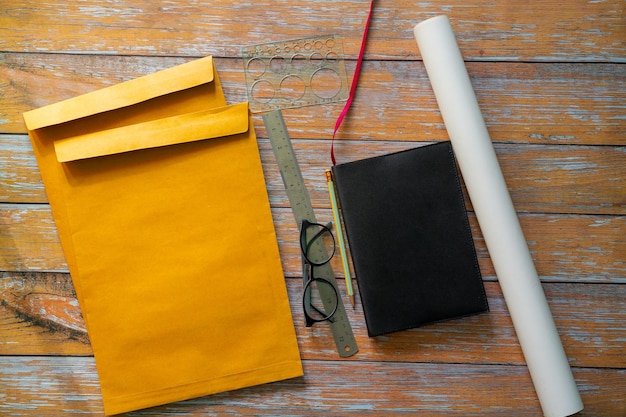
(318,243)
(316,308)
(320,298)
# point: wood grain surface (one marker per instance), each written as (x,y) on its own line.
(550,78)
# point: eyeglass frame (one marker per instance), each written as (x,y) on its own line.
(309,266)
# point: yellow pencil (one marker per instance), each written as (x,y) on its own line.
(342,246)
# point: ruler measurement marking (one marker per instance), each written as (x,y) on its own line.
(303,209)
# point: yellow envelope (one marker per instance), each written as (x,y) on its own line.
(157,190)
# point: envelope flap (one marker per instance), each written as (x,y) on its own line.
(125,94)
(208,124)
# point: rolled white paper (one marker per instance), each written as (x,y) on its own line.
(524,296)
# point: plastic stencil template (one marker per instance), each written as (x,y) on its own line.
(295,73)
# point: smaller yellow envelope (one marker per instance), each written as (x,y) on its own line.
(158,193)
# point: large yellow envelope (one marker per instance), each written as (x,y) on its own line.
(157,190)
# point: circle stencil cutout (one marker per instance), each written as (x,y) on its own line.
(295,73)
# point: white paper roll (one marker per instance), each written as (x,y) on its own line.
(524,296)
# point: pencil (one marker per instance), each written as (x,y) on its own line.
(338,230)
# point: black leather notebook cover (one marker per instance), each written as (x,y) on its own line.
(407,229)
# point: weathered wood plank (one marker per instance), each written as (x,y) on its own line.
(20,179)
(29,240)
(541,178)
(41,316)
(521,102)
(565,248)
(512,30)
(69,386)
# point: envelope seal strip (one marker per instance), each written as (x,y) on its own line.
(295,73)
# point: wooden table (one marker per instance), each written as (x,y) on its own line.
(551,81)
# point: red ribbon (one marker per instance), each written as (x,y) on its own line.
(354,83)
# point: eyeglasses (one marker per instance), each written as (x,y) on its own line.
(320,297)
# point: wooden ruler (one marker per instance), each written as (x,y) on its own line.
(303,210)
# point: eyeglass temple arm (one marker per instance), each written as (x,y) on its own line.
(305,274)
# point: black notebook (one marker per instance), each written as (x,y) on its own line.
(410,240)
